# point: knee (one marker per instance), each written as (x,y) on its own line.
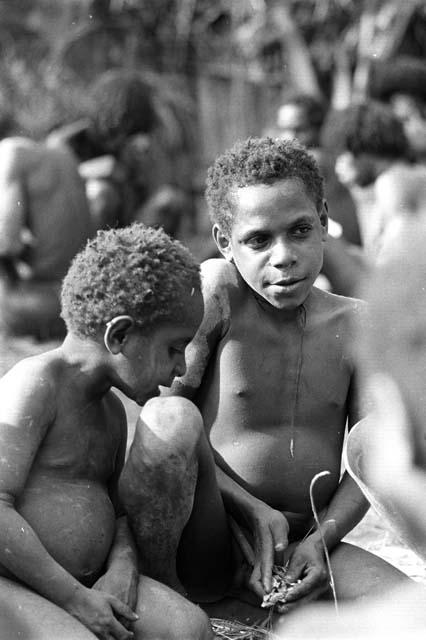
(195,625)
(166,615)
(174,420)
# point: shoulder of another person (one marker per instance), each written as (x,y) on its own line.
(17,151)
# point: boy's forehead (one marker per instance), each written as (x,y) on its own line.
(254,197)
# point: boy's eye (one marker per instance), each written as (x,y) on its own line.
(303,230)
(258,241)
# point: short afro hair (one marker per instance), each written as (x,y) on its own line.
(367,127)
(137,271)
(259,161)
(122,104)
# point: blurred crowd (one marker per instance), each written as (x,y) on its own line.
(101,172)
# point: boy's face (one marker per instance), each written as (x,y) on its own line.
(155,358)
(276,241)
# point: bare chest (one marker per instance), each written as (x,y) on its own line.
(80,445)
(299,371)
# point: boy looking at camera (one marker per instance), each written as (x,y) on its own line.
(272,374)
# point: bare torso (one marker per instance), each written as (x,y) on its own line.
(44,194)
(65,498)
(279,395)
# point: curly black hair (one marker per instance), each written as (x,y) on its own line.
(121,104)
(366,127)
(137,271)
(259,161)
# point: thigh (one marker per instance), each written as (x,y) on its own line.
(166,615)
(205,557)
(359,573)
(25,615)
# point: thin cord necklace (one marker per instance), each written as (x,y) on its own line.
(301,323)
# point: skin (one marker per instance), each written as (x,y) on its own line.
(44,198)
(388,193)
(293,122)
(386,451)
(267,452)
(63,436)
(42,190)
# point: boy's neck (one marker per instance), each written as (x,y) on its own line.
(87,357)
(295,315)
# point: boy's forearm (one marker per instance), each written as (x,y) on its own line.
(123,549)
(23,554)
(237,500)
(347,507)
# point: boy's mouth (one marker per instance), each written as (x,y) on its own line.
(287,282)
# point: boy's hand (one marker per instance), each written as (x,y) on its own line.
(270,533)
(307,564)
(99,612)
(121,582)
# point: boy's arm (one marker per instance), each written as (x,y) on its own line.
(347,507)
(27,410)
(121,576)
(215,282)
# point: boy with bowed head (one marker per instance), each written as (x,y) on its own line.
(271,372)
(131,302)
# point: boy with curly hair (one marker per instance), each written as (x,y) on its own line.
(131,301)
(272,374)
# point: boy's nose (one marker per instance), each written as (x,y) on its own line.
(282,254)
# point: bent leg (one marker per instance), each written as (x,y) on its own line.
(168,488)
(25,615)
(359,573)
(166,615)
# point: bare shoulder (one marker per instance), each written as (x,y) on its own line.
(15,155)
(343,308)
(31,384)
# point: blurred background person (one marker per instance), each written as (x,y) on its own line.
(44,222)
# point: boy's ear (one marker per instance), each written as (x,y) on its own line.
(324,220)
(116,333)
(222,241)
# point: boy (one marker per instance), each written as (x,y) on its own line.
(271,371)
(386,452)
(131,302)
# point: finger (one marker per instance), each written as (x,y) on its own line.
(255,582)
(315,581)
(279,531)
(119,632)
(288,607)
(123,610)
(266,559)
